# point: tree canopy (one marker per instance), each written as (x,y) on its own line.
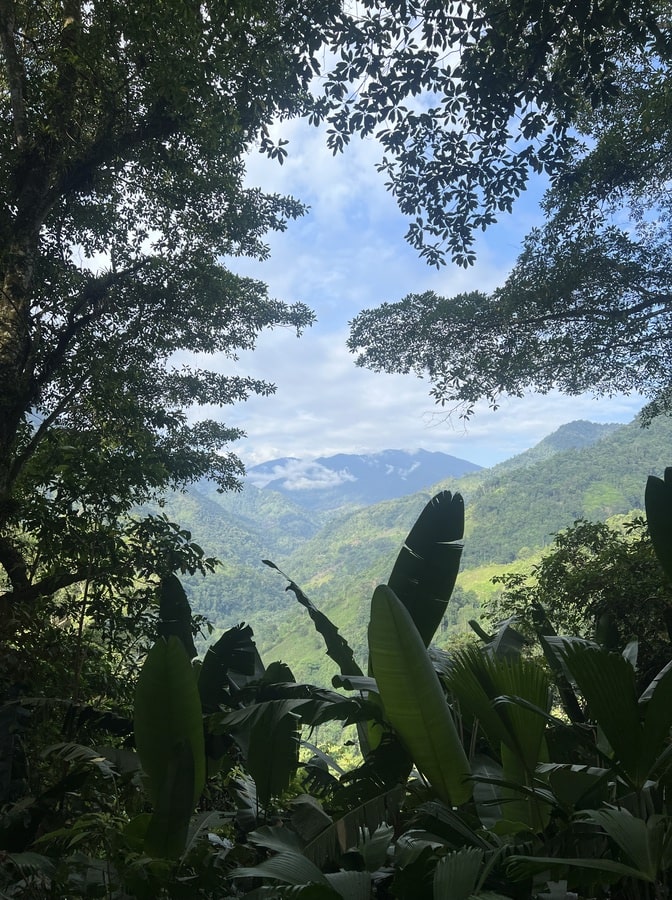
(588,304)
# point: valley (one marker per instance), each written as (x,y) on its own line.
(338,554)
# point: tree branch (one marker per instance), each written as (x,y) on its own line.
(14,565)
(92,298)
(45,587)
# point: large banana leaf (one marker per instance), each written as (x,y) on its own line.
(426,568)
(658,502)
(234,653)
(657,723)
(175,613)
(169,738)
(337,646)
(413,699)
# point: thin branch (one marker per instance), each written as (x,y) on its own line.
(92,297)
(22,458)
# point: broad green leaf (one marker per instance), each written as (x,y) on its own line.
(658,503)
(632,836)
(168,828)
(479,680)
(509,699)
(374,846)
(168,718)
(472,680)
(268,734)
(351,885)
(175,613)
(337,646)
(426,568)
(289,866)
(657,723)
(605,869)
(413,699)
(568,698)
(346,831)
(275,837)
(235,650)
(607,681)
(571,784)
(273,755)
(487,775)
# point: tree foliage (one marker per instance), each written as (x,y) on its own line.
(468,100)
(122,148)
(587,305)
(597,580)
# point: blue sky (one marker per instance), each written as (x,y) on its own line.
(346,254)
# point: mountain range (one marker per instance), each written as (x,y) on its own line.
(338,549)
(332,482)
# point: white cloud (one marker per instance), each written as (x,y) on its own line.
(301,475)
(348,253)
(326,405)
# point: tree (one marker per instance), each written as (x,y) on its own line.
(596,579)
(468,100)
(588,304)
(122,185)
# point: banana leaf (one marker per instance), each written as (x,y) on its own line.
(337,646)
(268,734)
(169,738)
(175,613)
(658,503)
(234,653)
(338,836)
(424,574)
(413,698)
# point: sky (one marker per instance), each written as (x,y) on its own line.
(346,254)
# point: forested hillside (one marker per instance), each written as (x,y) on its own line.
(512,512)
(582,470)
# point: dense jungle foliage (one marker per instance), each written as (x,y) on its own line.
(132,768)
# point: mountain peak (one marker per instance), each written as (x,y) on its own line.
(346,479)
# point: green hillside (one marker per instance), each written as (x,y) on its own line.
(240,529)
(512,511)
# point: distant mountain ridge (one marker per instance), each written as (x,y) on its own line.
(346,479)
(338,555)
(572,436)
